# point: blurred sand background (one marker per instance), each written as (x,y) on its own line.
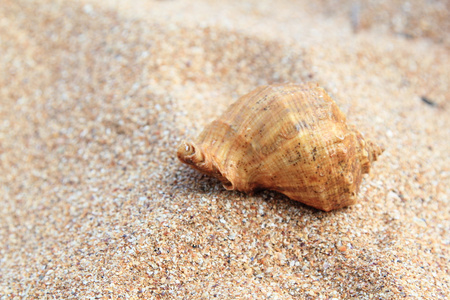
(96,95)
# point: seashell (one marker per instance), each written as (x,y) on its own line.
(289,138)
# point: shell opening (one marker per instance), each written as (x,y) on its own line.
(373,151)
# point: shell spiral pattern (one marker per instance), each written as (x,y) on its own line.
(290,138)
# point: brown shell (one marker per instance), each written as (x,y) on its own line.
(290,138)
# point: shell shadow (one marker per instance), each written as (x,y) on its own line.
(188,179)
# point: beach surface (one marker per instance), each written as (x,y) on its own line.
(96,96)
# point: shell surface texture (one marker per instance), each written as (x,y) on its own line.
(289,138)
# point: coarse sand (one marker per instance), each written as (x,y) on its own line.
(95,96)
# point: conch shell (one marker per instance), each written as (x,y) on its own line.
(289,138)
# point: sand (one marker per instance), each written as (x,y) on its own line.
(96,96)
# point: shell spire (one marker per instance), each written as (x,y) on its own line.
(290,138)
(191,155)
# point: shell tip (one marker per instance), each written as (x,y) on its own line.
(188,153)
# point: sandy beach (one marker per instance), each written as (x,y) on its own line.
(96,96)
